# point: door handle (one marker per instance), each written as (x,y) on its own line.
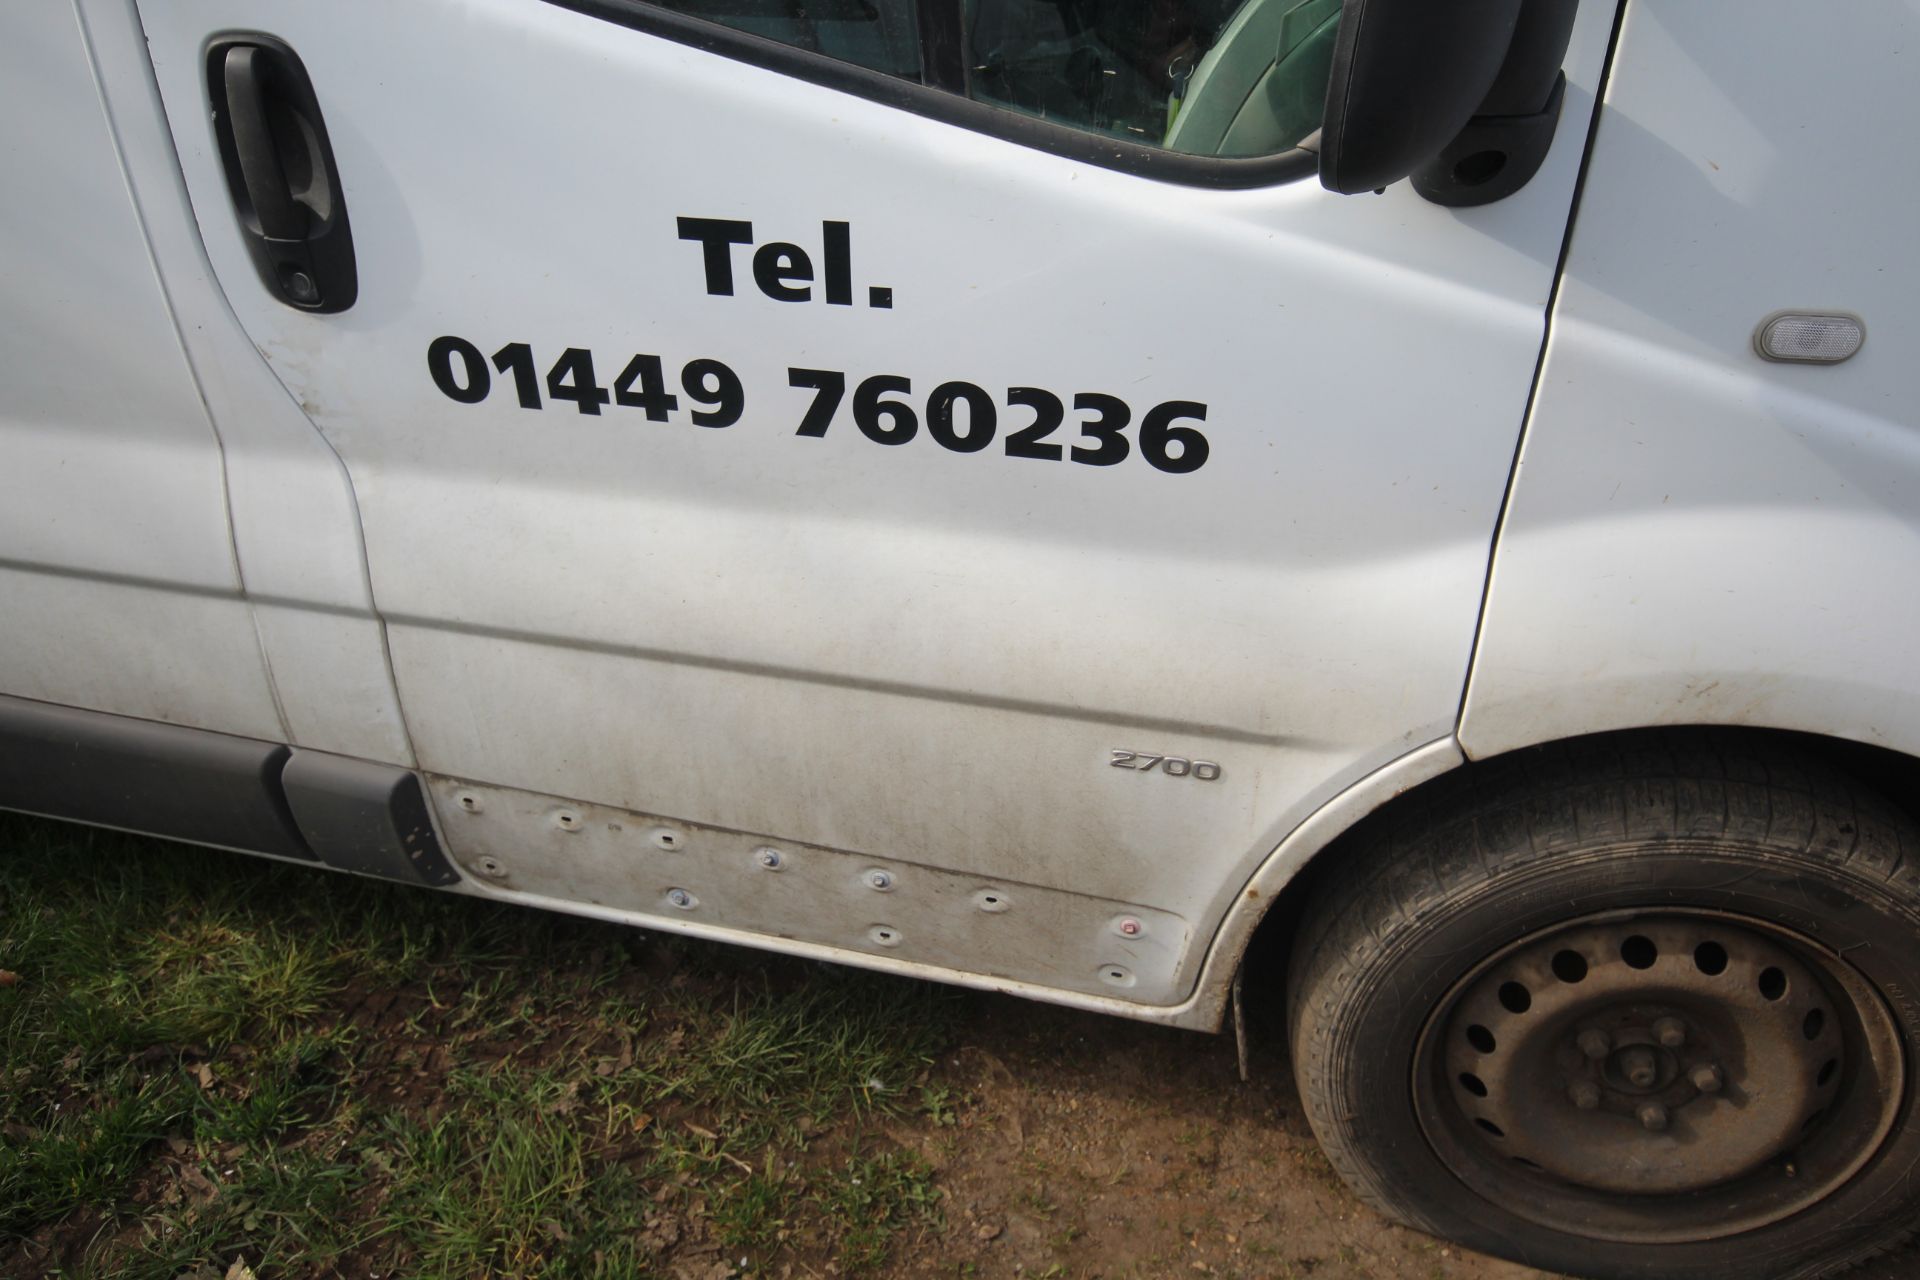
(258,155)
(281,174)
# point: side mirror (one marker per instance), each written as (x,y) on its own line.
(1461,95)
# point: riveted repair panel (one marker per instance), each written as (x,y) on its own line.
(518,843)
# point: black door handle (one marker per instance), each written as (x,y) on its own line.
(280,173)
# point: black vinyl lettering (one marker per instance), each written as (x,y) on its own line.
(777,265)
(653,396)
(980,417)
(1110,419)
(961,416)
(1157,432)
(717,236)
(571,378)
(518,357)
(837,253)
(725,393)
(440,354)
(1048,414)
(869,409)
(828,389)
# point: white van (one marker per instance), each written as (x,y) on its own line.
(1026,493)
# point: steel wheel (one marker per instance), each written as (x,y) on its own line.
(1642,1008)
(1659,1078)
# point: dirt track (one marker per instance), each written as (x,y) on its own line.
(1092,1147)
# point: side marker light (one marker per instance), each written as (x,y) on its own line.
(1809,337)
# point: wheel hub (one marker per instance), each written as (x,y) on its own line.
(1603,1036)
(1606,1074)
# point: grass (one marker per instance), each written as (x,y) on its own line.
(206,1058)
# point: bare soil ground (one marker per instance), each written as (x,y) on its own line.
(1091,1147)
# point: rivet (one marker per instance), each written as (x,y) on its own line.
(769,858)
(1653,1117)
(879,880)
(1595,1043)
(1585,1094)
(681,899)
(492,867)
(1670,1032)
(469,801)
(1128,927)
(1706,1078)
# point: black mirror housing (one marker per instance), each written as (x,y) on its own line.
(1462,95)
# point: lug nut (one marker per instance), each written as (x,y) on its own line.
(1706,1078)
(1640,1067)
(1595,1043)
(768,858)
(1653,1117)
(1585,1094)
(1129,928)
(1670,1032)
(680,898)
(880,880)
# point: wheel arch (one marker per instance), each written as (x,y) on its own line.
(1270,907)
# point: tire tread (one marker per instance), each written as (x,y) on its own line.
(1513,813)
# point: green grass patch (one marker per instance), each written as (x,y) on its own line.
(205,1057)
(872,1198)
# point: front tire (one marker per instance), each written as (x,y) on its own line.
(1639,1007)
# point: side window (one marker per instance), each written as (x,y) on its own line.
(881,35)
(1230,78)
(1208,77)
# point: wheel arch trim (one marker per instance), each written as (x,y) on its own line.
(1265,897)
(1253,904)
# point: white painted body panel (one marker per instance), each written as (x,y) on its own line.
(177,543)
(900,654)
(296,531)
(118,587)
(1697,536)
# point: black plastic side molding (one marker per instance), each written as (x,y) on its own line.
(365,817)
(215,789)
(162,779)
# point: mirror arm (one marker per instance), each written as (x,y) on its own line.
(1504,144)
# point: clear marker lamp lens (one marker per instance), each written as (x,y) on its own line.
(1808,337)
